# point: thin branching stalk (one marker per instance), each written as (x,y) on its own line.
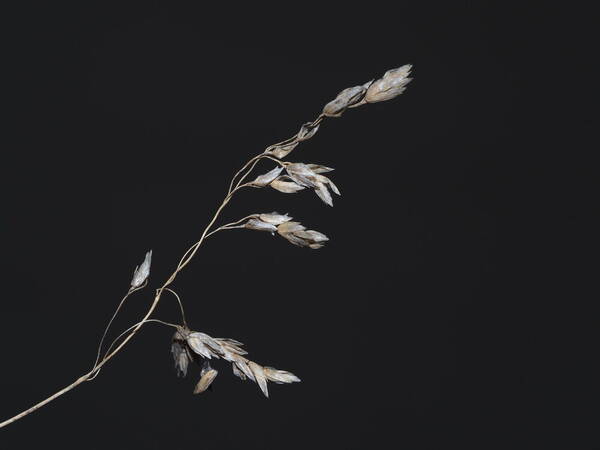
(297,176)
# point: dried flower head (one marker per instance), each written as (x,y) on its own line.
(390,85)
(281,151)
(298,235)
(303,175)
(266,221)
(230,350)
(142,272)
(345,99)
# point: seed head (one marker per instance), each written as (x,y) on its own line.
(345,99)
(298,235)
(207,376)
(230,350)
(390,85)
(142,272)
(303,175)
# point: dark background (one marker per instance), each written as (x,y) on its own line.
(442,314)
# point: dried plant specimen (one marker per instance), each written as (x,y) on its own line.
(189,347)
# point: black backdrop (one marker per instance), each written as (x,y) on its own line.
(426,320)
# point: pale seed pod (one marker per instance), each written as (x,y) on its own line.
(281,151)
(259,377)
(301,174)
(264,180)
(259,225)
(323,193)
(344,99)
(142,272)
(312,235)
(317,168)
(238,373)
(290,227)
(207,376)
(297,234)
(181,357)
(363,101)
(203,345)
(280,376)
(242,364)
(390,85)
(287,187)
(230,347)
(274,218)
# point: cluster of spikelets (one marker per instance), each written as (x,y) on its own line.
(288,178)
(299,176)
(186,343)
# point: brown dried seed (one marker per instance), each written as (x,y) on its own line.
(142,272)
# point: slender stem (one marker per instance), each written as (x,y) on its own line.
(254,163)
(48,400)
(253,160)
(87,377)
(96,371)
(184,261)
(131,291)
(180,305)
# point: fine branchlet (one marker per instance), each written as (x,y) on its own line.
(194,348)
